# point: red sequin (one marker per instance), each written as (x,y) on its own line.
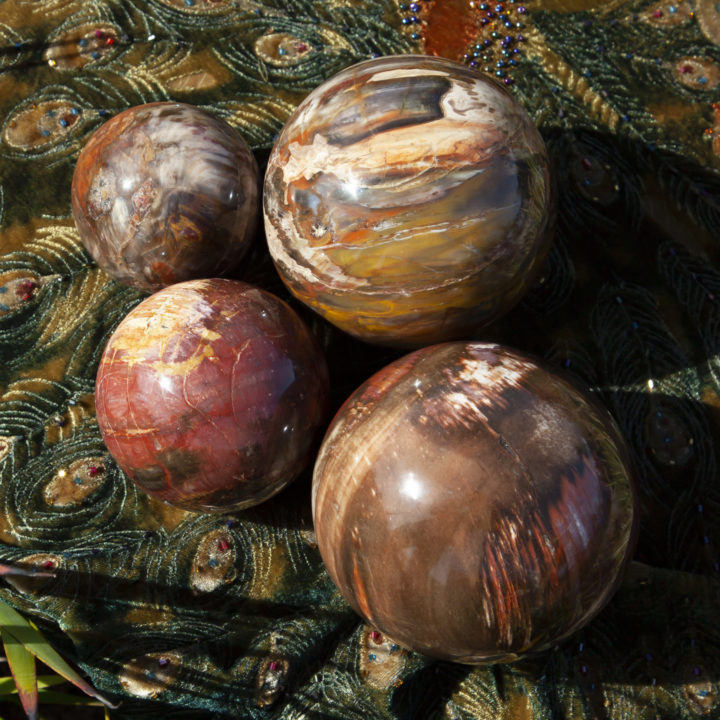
(24,289)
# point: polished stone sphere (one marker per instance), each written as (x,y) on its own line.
(165,192)
(474,505)
(211,395)
(407,201)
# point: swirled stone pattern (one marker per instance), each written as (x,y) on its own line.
(407,201)
(472,504)
(165,192)
(211,393)
(176,614)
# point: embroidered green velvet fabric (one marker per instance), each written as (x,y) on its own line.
(180,615)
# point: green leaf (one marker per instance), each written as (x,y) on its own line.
(22,667)
(50,697)
(14,625)
(8,687)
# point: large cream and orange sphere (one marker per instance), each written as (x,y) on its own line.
(407,201)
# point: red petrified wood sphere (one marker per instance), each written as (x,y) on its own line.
(473,504)
(165,192)
(211,393)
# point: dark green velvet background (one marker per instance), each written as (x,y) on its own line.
(196,616)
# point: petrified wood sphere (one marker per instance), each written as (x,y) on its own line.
(407,201)
(472,504)
(211,394)
(165,192)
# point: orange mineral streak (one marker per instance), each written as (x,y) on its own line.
(494,589)
(360,594)
(388,378)
(164,272)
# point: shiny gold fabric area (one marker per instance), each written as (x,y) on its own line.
(181,615)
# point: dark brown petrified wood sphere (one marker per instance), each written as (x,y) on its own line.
(165,192)
(407,201)
(211,395)
(473,504)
